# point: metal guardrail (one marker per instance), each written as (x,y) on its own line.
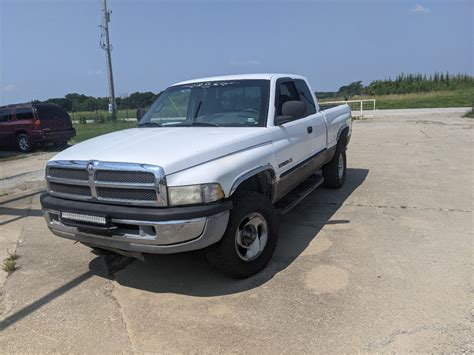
(357,106)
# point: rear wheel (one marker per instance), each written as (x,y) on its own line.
(23,143)
(250,239)
(334,172)
(60,144)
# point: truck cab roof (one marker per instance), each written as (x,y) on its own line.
(258,76)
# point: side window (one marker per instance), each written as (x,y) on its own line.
(306,96)
(286,92)
(5,115)
(24,113)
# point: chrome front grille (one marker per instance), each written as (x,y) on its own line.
(111,193)
(125,177)
(70,189)
(107,182)
(69,174)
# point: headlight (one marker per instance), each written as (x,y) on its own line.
(194,194)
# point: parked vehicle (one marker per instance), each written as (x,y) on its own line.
(210,165)
(25,125)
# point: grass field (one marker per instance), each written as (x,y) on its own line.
(435,99)
(90,130)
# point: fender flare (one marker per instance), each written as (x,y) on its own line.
(248,174)
(343,133)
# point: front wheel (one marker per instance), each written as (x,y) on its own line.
(250,239)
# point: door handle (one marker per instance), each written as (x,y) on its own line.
(309,129)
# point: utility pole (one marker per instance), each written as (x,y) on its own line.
(107,47)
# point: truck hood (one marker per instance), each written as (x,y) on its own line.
(172,148)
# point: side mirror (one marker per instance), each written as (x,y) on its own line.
(291,110)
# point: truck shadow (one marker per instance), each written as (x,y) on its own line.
(190,274)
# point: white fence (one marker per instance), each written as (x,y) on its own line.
(360,108)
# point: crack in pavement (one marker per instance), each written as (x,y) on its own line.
(393,336)
(109,293)
(113,264)
(22,174)
(439,209)
(424,133)
(18,242)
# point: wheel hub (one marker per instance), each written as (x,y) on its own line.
(248,235)
(251,237)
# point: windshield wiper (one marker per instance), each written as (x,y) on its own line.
(150,124)
(197,110)
(204,124)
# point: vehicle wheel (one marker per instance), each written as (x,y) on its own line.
(23,143)
(250,239)
(334,172)
(60,144)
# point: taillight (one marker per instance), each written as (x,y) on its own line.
(37,124)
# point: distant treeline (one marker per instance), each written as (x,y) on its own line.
(77,102)
(403,84)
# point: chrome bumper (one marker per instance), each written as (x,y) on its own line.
(161,237)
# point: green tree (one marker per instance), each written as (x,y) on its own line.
(354,88)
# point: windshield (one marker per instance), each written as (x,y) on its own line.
(239,103)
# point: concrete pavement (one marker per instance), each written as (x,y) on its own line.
(22,173)
(382,265)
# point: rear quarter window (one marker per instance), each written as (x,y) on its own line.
(50,112)
(24,113)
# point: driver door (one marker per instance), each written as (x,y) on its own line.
(292,140)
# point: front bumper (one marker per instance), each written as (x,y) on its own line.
(139,229)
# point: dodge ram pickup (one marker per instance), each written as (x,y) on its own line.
(209,166)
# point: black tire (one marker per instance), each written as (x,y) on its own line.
(225,256)
(23,143)
(60,144)
(331,173)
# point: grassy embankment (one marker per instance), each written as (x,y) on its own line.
(91,130)
(435,99)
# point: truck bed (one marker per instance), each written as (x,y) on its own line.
(337,118)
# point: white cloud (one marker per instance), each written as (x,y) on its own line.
(244,62)
(94,72)
(8,88)
(420,9)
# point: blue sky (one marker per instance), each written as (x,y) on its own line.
(51,48)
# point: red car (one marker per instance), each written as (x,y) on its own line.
(26,125)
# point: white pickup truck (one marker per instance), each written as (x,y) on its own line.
(209,166)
